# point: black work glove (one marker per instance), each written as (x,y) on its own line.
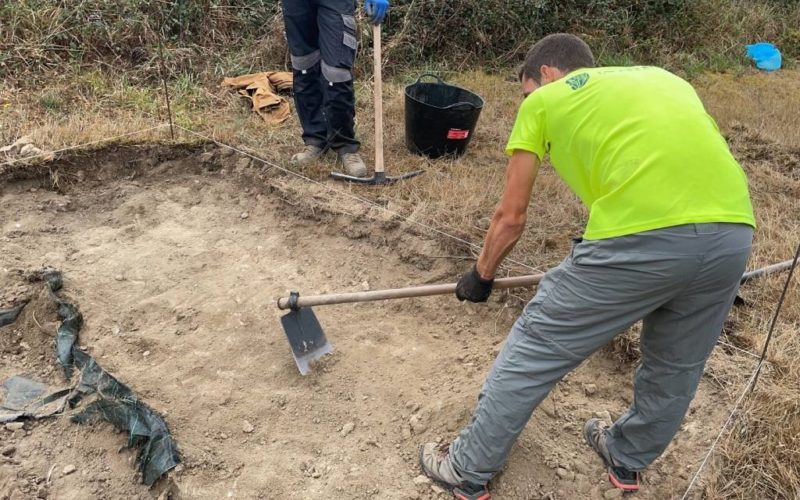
(473,288)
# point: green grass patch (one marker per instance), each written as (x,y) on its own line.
(51,102)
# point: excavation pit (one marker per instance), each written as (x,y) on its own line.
(176,255)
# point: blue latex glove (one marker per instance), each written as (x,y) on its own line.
(765,55)
(376,10)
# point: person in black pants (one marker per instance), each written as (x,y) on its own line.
(322,43)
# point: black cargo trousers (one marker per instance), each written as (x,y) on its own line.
(322,44)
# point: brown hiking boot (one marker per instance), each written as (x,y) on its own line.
(353,164)
(595,434)
(434,460)
(309,154)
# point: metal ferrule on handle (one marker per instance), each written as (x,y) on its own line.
(398,293)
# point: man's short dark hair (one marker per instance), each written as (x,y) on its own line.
(561,50)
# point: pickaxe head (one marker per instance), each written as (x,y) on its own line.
(379,178)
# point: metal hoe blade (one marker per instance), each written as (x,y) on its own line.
(306,338)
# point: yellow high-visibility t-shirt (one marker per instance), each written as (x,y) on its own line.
(638,148)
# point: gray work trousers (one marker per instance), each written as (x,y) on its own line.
(680,280)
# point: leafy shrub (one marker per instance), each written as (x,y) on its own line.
(498,32)
(221,36)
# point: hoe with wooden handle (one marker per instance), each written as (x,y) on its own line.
(380,176)
(306,336)
(308,340)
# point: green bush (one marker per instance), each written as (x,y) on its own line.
(469,32)
(126,32)
(215,37)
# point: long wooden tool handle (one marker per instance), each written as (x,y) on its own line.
(426,290)
(401,293)
(378,96)
(774,268)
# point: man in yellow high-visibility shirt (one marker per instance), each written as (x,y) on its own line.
(668,237)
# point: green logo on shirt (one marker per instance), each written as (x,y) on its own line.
(578,81)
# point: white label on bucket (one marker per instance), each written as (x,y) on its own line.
(457,133)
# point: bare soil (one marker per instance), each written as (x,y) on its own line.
(176,260)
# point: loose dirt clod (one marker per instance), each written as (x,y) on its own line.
(422,479)
(247,427)
(347,428)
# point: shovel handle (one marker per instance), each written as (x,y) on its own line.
(402,293)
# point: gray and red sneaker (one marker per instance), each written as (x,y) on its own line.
(434,460)
(595,434)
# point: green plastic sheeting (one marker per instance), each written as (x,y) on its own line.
(106,398)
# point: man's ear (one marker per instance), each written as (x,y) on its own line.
(544,71)
(548,73)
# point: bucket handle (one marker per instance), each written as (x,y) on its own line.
(423,75)
(462,103)
(442,82)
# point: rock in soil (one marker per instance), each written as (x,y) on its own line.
(421,479)
(347,428)
(437,489)
(605,416)
(615,493)
(69,469)
(417,424)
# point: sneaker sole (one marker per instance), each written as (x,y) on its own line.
(617,484)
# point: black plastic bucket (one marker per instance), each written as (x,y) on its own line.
(440,118)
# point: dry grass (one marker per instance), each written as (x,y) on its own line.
(760,458)
(758,113)
(769,103)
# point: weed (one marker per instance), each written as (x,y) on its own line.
(51,102)
(142,99)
